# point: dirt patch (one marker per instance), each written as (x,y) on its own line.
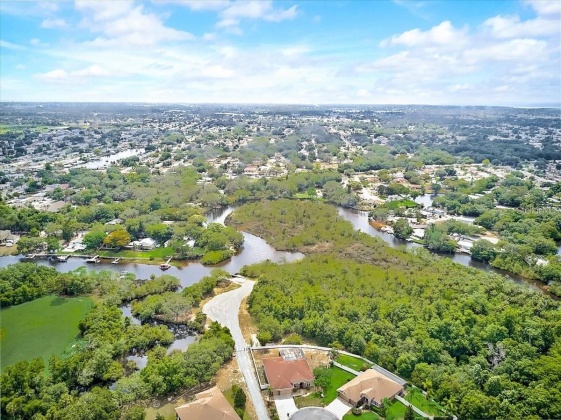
(230,375)
(317,358)
(376,224)
(317,248)
(8,250)
(216,291)
(247,323)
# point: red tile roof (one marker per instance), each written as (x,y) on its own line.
(283,374)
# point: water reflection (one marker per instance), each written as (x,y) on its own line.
(254,250)
(360,221)
(108,160)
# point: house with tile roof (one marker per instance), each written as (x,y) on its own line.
(369,388)
(208,405)
(287,376)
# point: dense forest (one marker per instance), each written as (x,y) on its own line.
(482,346)
(75,384)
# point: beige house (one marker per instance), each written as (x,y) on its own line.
(208,405)
(5,235)
(287,376)
(370,388)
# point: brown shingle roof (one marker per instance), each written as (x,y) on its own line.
(283,374)
(372,384)
(209,405)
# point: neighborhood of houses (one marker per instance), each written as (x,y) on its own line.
(285,376)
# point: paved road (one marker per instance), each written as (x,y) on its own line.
(224,309)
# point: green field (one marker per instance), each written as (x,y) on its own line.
(339,377)
(394,205)
(366,415)
(396,411)
(352,362)
(416,397)
(40,328)
(157,253)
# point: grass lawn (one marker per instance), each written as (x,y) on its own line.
(339,377)
(416,397)
(230,397)
(394,205)
(352,362)
(40,328)
(157,253)
(366,415)
(396,411)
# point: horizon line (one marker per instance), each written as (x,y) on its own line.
(528,106)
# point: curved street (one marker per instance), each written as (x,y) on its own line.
(224,309)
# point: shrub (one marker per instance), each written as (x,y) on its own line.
(214,257)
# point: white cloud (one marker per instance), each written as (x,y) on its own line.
(545,7)
(519,50)
(443,34)
(133,54)
(53,23)
(513,27)
(37,43)
(57,75)
(28,9)
(61,75)
(104,10)
(458,87)
(257,10)
(11,45)
(122,25)
(209,36)
(199,5)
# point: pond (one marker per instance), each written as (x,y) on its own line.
(108,160)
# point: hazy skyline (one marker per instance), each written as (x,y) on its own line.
(395,52)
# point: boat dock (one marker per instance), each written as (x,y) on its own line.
(166,265)
(94,260)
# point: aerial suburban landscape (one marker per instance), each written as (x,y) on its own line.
(277,256)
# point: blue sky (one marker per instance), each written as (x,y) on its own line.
(366,52)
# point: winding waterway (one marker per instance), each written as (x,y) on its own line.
(256,250)
(359,219)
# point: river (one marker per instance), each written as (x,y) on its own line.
(359,219)
(254,250)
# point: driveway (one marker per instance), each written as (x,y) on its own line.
(285,406)
(338,408)
(224,309)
